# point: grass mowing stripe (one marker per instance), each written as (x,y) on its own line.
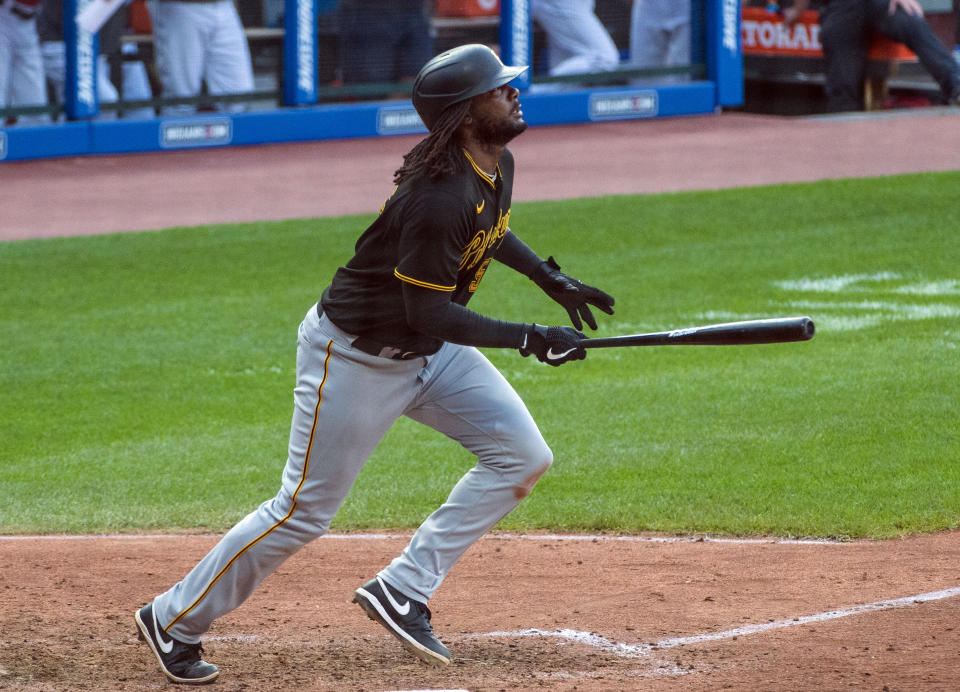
(147,377)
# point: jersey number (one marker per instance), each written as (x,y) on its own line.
(479,275)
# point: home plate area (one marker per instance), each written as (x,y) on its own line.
(518,613)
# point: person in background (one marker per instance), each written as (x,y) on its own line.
(956,31)
(199,41)
(385,41)
(132,76)
(577,41)
(845,29)
(660,36)
(21,65)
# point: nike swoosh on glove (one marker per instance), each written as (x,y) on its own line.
(571,293)
(552,345)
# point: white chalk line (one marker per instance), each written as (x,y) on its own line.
(675,539)
(638,650)
(497,536)
(832,310)
(649,650)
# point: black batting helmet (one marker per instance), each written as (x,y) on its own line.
(457,75)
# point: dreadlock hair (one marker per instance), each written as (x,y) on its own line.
(439,153)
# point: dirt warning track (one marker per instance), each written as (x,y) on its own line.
(135,192)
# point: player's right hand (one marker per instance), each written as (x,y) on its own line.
(552,345)
(572,294)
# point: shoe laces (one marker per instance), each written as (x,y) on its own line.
(421,619)
(186,653)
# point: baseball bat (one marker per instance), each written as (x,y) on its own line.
(771,331)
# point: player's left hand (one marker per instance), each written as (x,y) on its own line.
(572,294)
(552,345)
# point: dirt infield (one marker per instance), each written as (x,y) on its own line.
(614,615)
(519,613)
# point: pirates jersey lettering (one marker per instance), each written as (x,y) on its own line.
(483,241)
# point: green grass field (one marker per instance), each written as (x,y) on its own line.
(147,378)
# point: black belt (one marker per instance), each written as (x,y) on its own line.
(375,348)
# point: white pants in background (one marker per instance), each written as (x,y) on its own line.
(577,42)
(660,36)
(136,86)
(21,67)
(198,42)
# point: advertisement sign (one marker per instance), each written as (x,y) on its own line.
(300,52)
(80,97)
(516,38)
(621,105)
(765,33)
(724,58)
(185,133)
(399,120)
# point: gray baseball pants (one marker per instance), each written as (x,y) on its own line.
(344,403)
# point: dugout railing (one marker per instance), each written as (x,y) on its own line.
(300,107)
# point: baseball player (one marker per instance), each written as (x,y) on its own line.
(660,36)
(21,65)
(577,41)
(200,41)
(845,29)
(390,337)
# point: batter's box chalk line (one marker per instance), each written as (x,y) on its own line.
(589,538)
(638,650)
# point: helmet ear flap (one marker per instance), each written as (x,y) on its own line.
(457,75)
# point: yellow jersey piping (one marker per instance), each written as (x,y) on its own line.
(293,505)
(480,171)
(424,284)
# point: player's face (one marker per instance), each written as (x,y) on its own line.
(497,116)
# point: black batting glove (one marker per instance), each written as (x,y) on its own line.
(552,345)
(572,294)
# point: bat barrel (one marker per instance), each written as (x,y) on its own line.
(771,331)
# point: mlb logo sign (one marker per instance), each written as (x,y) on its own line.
(399,121)
(622,105)
(204,133)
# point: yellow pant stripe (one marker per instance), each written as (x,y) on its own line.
(293,506)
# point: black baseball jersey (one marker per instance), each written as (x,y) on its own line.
(438,235)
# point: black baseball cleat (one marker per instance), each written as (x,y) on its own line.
(408,621)
(179,661)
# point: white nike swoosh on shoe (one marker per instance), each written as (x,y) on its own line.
(375,611)
(401,609)
(557,356)
(165,647)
